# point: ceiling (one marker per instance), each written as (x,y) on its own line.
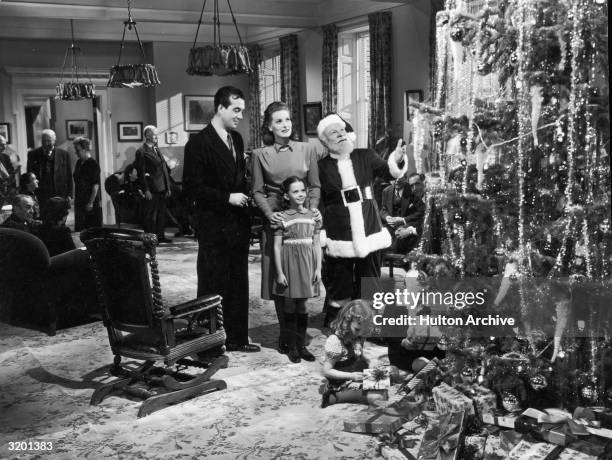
(258,21)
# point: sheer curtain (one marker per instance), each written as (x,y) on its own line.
(290,83)
(380,75)
(254,101)
(329,66)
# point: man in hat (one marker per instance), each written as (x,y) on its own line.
(353,233)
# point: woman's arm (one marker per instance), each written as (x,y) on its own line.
(92,197)
(259,194)
(330,373)
(280,275)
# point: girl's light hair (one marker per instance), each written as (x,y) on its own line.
(360,310)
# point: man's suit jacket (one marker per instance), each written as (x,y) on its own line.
(153,172)
(210,174)
(62,170)
(411,209)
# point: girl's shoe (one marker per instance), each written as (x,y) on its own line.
(325,399)
(282,348)
(294,355)
(305,354)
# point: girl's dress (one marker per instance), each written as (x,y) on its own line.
(298,254)
(348,358)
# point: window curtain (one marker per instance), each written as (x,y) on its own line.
(254,102)
(380,75)
(329,67)
(290,82)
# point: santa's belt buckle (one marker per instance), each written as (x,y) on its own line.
(351,195)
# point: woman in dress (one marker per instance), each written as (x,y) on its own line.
(87,210)
(281,158)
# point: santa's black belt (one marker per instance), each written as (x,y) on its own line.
(349,195)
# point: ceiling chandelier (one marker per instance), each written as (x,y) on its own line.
(218,58)
(74,90)
(132,75)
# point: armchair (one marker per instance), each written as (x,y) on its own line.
(142,327)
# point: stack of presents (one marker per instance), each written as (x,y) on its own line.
(465,422)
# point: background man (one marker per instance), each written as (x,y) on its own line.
(7,172)
(154,179)
(403,210)
(22,217)
(53,168)
(214,178)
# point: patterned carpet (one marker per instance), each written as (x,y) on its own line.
(270,409)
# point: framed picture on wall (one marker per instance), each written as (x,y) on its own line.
(77,128)
(313,112)
(5,131)
(197,111)
(129,131)
(412,95)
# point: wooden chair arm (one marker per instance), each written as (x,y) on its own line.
(195,306)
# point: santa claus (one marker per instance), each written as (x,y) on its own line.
(352,233)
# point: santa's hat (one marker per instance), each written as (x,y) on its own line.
(334,118)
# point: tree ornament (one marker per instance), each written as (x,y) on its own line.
(468,374)
(589,393)
(538,382)
(510,402)
(456,33)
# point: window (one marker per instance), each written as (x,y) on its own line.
(269,81)
(354,80)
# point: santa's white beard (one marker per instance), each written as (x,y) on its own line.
(342,148)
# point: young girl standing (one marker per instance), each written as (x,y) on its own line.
(344,362)
(297,259)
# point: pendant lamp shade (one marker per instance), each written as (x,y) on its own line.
(132,75)
(73,89)
(218,58)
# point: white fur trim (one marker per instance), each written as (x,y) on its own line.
(323,238)
(329,120)
(346,249)
(394,168)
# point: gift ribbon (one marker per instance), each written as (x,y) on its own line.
(442,438)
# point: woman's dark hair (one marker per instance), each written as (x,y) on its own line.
(266,136)
(82,142)
(291,180)
(54,210)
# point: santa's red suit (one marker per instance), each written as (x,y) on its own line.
(352,231)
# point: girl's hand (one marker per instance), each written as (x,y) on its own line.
(281,280)
(276,219)
(88,207)
(357,376)
(317,215)
(317,277)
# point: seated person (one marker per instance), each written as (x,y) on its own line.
(344,362)
(126,195)
(28,184)
(53,231)
(22,216)
(403,211)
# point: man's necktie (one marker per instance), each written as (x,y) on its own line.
(230,144)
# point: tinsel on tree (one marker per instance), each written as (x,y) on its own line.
(515,144)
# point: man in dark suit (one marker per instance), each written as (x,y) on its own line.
(154,179)
(403,211)
(214,179)
(53,168)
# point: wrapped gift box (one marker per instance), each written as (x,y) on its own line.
(443,438)
(509,439)
(396,453)
(485,400)
(499,418)
(373,422)
(571,454)
(493,449)
(449,399)
(597,414)
(477,445)
(525,450)
(561,433)
(377,378)
(417,378)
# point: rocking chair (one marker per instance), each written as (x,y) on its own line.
(142,327)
